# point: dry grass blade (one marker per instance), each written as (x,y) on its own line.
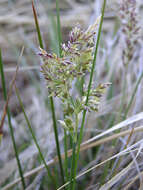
(10,92)
(84,146)
(25,68)
(133,181)
(122,124)
(116,178)
(119,161)
(37,25)
(124,152)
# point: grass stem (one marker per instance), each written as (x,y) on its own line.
(60,54)
(84,112)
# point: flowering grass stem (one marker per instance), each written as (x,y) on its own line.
(51,99)
(60,51)
(76,154)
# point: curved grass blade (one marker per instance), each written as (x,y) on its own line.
(9,115)
(33,135)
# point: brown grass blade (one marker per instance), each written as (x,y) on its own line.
(9,93)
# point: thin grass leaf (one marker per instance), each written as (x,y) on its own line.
(133,181)
(60,51)
(123,124)
(114,172)
(10,89)
(133,95)
(116,178)
(37,25)
(66,155)
(6,110)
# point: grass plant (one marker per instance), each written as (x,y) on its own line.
(75,160)
(95,148)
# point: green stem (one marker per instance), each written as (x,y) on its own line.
(57,139)
(66,155)
(89,87)
(74,152)
(72,180)
(119,118)
(33,136)
(51,99)
(9,122)
(76,127)
(60,54)
(133,95)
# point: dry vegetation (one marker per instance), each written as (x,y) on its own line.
(111,153)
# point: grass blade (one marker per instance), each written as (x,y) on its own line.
(133,95)
(65,133)
(33,135)
(10,90)
(37,26)
(8,114)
